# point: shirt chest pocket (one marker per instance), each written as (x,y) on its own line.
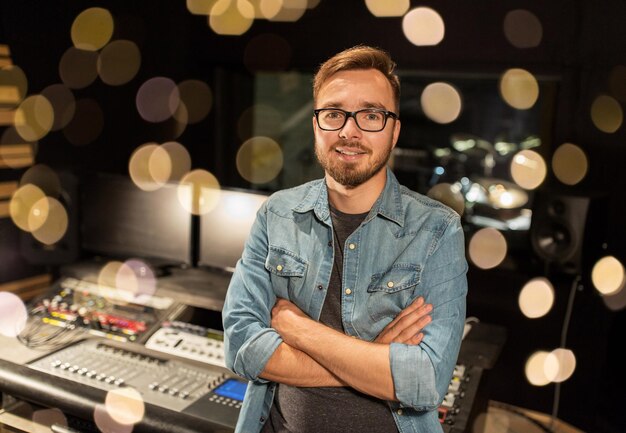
(287,271)
(391,291)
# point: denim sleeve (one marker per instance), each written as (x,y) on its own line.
(422,373)
(249,339)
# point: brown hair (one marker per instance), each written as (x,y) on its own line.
(359,57)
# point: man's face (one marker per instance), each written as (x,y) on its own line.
(349,155)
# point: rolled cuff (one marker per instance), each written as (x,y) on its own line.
(413,377)
(254,354)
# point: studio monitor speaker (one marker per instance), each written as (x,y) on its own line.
(561,228)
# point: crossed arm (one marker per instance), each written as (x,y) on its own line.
(314,355)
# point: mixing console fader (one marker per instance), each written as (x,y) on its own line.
(206,391)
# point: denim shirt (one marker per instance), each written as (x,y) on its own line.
(407,246)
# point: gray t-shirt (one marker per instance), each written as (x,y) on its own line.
(333,409)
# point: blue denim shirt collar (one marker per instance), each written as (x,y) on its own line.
(388,204)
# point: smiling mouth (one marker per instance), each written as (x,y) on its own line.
(350,151)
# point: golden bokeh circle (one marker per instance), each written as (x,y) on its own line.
(519,88)
(48,220)
(125,405)
(536,298)
(290,11)
(487,248)
(78,68)
(522,28)
(535,369)
(34,118)
(63,104)
(231,17)
(139,167)
(441,102)
(169,162)
(607,114)
(388,8)
(566,361)
(608,276)
(200,7)
(199,192)
(21,204)
(107,277)
(44,178)
(92,29)
(259,160)
(119,62)
(13,315)
(528,169)
(569,164)
(423,26)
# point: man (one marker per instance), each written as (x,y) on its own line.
(347,307)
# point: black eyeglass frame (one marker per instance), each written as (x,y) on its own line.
(353,114)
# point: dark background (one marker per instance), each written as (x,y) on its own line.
(582,41)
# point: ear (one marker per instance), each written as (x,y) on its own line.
(314,124)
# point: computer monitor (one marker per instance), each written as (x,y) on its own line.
(225,229)
(119,220)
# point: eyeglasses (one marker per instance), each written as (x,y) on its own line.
(368,119)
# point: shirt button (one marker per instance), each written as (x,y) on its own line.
(352,246)
(320,287)
(390,284)
(330,243)
(279,268)
(348,291)
(399,411)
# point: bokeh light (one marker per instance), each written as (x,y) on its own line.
(87,123)
(522,29)
(199,192)
(505,195)
(34,118)
(519,88)
(528,169)
(606,114)
(13,314)
(197,98)
(49,417)
(608,275)
(566,362)
(63,104)
(487,248)
(119,62)
(44,178)
(441,102)
(48,220)
(231,17)
(13,86)
(449,195)
(290,11)
(200,7)
(388,8)
(259,159)
(21,204)
(423,26)
(107,277)
(157,99)
(536,369)
(139,167)
(536,298)
(569,164)
(125,405)
(106,423)
(136,277)
(92,29)
(266,9)
(169,162)
(78,68)
(267,52)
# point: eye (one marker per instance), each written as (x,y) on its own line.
(373,115)
(332,114)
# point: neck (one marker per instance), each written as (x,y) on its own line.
(359,199)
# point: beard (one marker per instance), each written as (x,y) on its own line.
(351,174)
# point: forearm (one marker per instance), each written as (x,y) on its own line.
(293,367)
(360,364)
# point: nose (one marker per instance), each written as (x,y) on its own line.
(350,129)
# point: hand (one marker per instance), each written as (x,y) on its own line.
(289,321)
(406,327)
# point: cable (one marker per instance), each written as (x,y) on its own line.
(566,320)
